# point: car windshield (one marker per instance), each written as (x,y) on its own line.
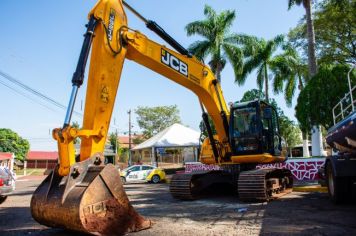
(147,167)
(132,168)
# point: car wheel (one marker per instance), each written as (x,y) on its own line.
(123,180)
(2,199)
(155,179)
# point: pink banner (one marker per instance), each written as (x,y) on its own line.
(302,169)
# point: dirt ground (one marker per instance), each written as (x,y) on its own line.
(295,214)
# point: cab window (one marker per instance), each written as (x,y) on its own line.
(147,168)
(135,168)
(245,122)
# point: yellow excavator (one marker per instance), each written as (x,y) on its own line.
(84,194)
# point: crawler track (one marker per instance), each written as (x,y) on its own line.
(190,186)
(264,184)
(253,185)
(182,186)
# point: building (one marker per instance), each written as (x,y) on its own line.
(125,143)
(41,159)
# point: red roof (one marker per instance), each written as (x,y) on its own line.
(124,140)
(5,155)
(41,155)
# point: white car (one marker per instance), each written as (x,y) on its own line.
(7,183)
(142,173)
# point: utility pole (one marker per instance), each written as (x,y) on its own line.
(130,161)
(116,141)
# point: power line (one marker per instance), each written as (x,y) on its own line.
(37,93)
(26,96)
(34,92)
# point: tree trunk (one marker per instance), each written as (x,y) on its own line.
(266,83)
(311,40)
(305,144)
(218,73)
(218,69)
(316,144)
(300,83)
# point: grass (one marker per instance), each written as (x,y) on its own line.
(30,171)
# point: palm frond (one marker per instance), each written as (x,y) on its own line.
(280,65)
(294,2)
(249,43)
(200,49)
(209,11)
(202,28)
(225,20)
(290,90)
(235,56)
(272,45)
(278,82)
(249,65)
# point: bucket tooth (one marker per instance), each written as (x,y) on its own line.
(90,199)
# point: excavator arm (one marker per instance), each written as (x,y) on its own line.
(82,193)
(112,42)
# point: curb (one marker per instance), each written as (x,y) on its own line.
(311,189)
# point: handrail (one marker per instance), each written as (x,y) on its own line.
(344,108)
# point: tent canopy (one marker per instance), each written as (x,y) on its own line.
(176,135)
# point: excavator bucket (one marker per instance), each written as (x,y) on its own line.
(90,199)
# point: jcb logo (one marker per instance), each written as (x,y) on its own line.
(174,63)
(111,23)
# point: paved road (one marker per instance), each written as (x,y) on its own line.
(295,214)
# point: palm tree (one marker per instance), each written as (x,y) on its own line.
(289,71)
(218,43)
(260,59)
(312,65)
(310,32)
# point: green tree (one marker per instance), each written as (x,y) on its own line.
(218,43)
(334,24)
(261,59)
(307,4)
(12,142)
(203,130)
(154,119)
(290,73)
(76,125)
(289,132)
(321,94)
(138,139)
(253,94)
(114,142)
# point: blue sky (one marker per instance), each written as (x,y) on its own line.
(41,40)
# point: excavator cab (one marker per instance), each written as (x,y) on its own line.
(254,129)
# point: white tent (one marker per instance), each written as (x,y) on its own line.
(176,135)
